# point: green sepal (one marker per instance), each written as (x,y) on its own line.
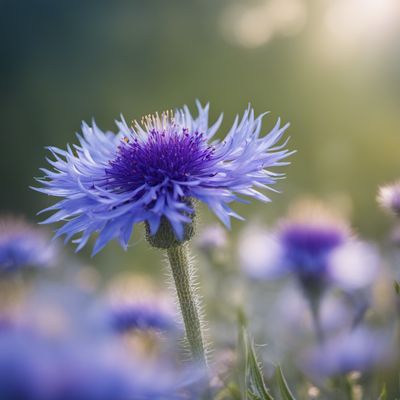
(165,237)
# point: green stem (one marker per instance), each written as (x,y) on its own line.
(315,313)
(178,259)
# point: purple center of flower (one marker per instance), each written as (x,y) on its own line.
(307,247)
(168,155)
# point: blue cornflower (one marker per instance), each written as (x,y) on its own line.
(320,249)
(23,245)
(135,303)
(313,244)
(142,316)
(151,172)
(307,248)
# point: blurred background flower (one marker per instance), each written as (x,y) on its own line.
(360,350)
(62,349)
(212,238)
(312,243)
(145,314)
(23,245)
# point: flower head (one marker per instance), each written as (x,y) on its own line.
(315,245)
(150,172)
(137,304)
(140,316)
(23,245)
(309,236)
(389,197)
(145,314)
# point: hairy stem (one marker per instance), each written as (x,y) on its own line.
(178,259)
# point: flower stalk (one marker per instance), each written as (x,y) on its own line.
(315,313)
(179,261)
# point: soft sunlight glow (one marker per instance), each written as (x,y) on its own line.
(254,26)
(362,22)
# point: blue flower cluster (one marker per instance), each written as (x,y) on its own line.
(51,355)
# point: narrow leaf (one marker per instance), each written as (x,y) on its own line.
(252,383)
(253,396)
(230,392)
(255,373)
(283,386)
(383,395)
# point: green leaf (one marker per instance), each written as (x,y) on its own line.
(229,392)
(252,396)
(252,384)
(383,395)
(396,285)
(283,386)
(255,379)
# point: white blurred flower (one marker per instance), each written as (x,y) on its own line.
(354,265)
(260,254)
(211,238)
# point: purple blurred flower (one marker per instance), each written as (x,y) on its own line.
(23,245)
(314,245)
(135,303)
(308,238)
(360,350)
(143,315)
(149,173)
(38,367)
(389,197)
(62,349)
